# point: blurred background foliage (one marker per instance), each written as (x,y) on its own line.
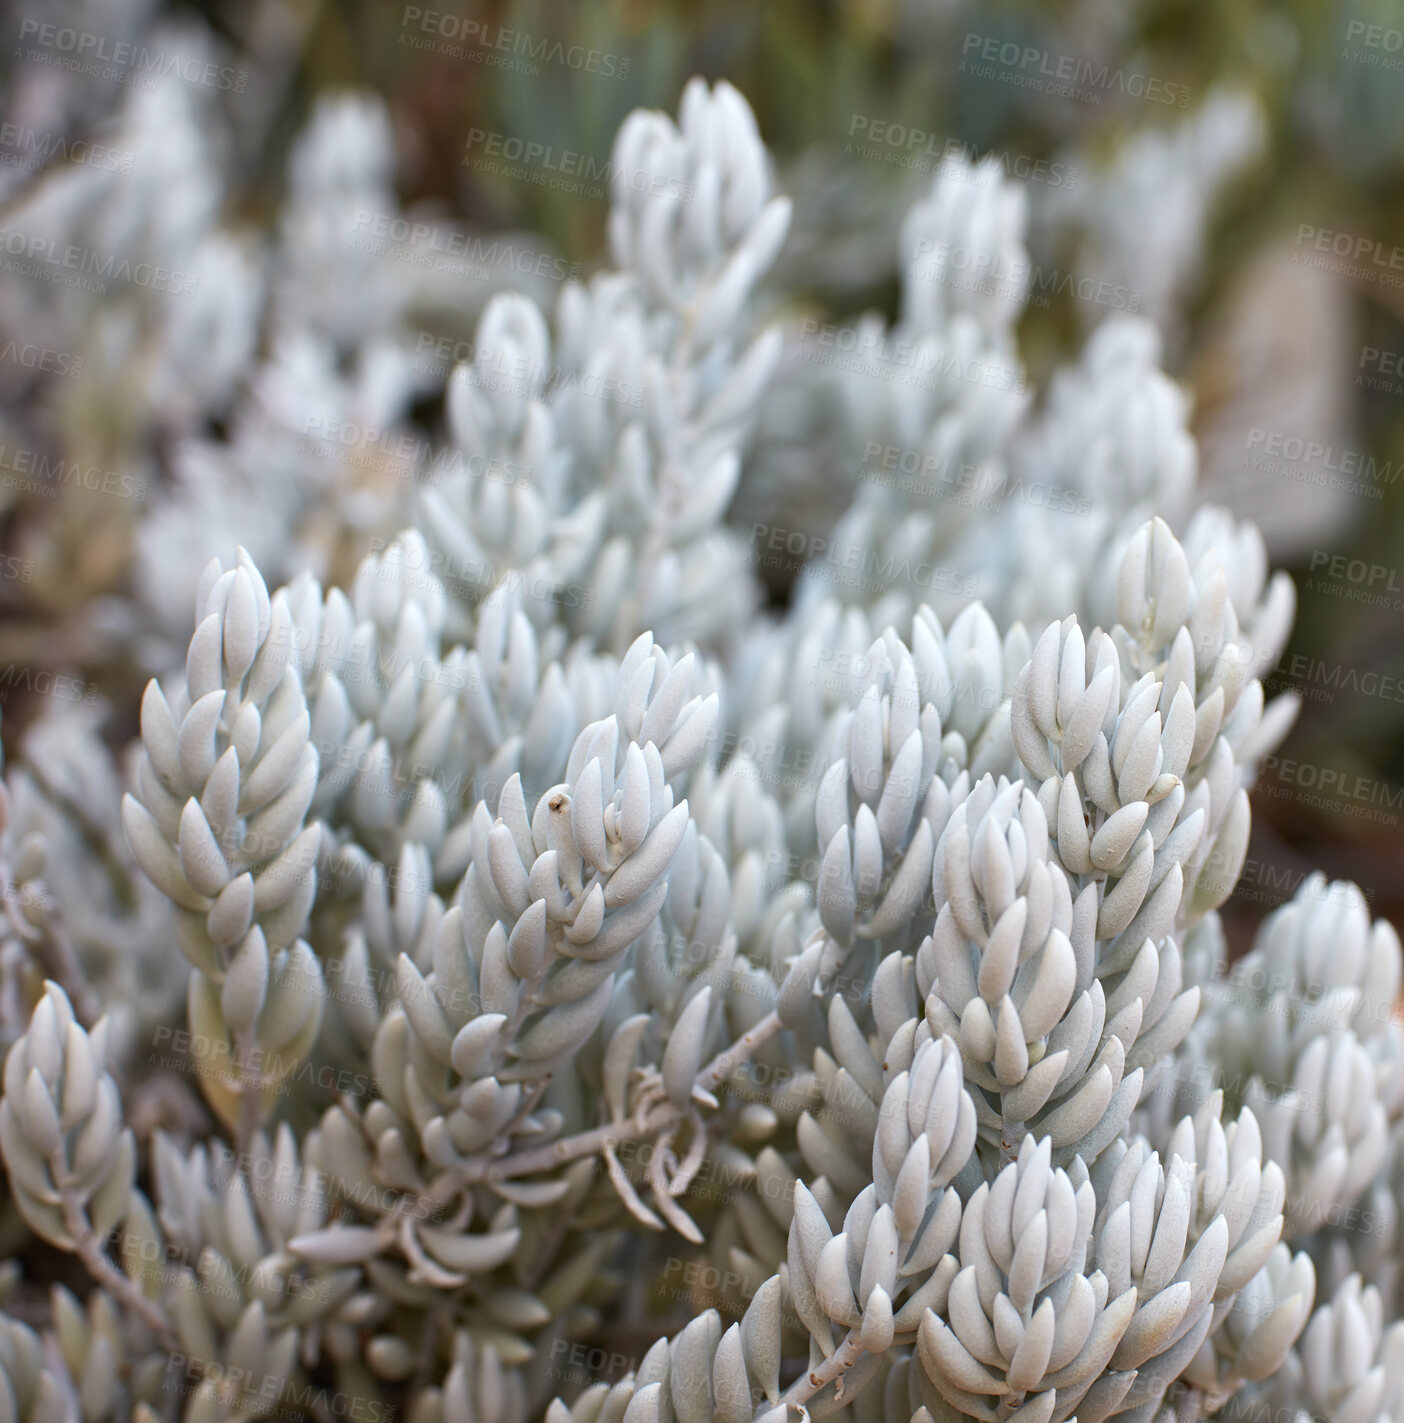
(1264,341)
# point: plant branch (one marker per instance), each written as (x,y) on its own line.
(250,1099)
(832,1370)
(121,1287)
(588,1143)
(68,973)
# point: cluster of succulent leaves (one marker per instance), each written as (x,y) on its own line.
(555,927)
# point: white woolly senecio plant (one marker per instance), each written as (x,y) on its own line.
(545,910)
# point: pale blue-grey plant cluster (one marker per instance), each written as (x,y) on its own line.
(561,940)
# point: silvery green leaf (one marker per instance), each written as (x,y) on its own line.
(1114,839)
(471,1254)
(835,890)
(893,996)
(296,996)
(1125,897)
(760,1338)
(245,983)
(875,1332)
(851,1050)
(645,1406)
(1153,1328)
(901,791)
(831,802)
(276,764)
(509,876)
(203,678)
(527,944)
(1050,987)
(867,854)
(1263,1352)
(39,1116)
(424,1014)
(682,1059)
(1143,762)
(281,819)
(946,1359)
(231,915)
(563,1029)
(111,1202)
(81,1075)
(667,702)
(291,874)
(1074,1119)
(690,737)
(587,815)
(833,1285)
(796,991)
(1011,1054)
(828,1156)
(623,925)
(619,1061)
(156,857)
(474,1042)
(880,1252)
(1085,722)
(999,958)
(41,1047)
(159,735)
(649,863)
(1029,1359)
(865,748)
(726,1381)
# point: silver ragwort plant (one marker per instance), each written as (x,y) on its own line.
(571,946)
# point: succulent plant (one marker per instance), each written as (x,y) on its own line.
(540,903)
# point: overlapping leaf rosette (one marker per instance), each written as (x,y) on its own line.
(549,933)
(601,470)
(218,820)
(1012,969)
(1323,1072)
